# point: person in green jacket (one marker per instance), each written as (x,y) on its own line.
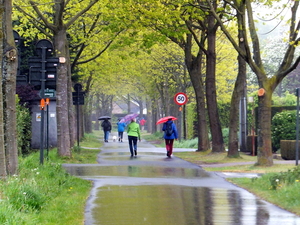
(133,131)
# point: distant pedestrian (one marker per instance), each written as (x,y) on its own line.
(106,125)
(170,133)
(121,128)
(134,135)
(142,123)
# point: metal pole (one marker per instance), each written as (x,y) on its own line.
(184,122)
(179,128)
(43,79)
(78,98)
(47,131)
(253,133)
(297,128)
(242,124)
(78,125)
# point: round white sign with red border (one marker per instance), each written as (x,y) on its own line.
(180,98)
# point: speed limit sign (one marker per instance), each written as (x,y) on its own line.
(180,98)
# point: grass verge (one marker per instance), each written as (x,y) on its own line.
(46,194)
(42,194)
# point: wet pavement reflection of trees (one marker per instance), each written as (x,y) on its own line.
(151,189)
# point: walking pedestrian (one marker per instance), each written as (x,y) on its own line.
(170,133)
(106,125)
(134,135)
(121,128)
(142,123)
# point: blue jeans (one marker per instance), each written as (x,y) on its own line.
(106,136)
(132,140)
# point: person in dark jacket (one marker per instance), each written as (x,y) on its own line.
(169,138)
(106,126)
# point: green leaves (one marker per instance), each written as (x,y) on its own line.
(283,127)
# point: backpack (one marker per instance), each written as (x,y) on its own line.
(169,129)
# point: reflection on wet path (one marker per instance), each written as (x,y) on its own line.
(177,205)
(152,189)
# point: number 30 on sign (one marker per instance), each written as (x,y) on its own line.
(180,98)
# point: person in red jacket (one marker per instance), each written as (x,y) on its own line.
(142,123)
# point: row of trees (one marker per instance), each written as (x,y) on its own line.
(83,32)
(193,26)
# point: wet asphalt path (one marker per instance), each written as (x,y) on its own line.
(153,189)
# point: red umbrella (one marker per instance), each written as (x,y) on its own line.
(165,119)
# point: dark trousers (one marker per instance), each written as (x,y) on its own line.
(169,145)
(132,140)
(121,135)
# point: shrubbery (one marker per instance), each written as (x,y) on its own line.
(23,129)
(283,127)
(290,177)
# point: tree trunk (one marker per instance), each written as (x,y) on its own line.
(211,98)
(155,114)
(71,108)
(194,66)
(62,100)
(88,109)
(238,93)
(10,65)
(264,145)
(98,111)
(3,172)
(233,143)
(149,120)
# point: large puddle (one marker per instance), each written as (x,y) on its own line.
(135,171)
(152,189)
(169,204)
(133,195)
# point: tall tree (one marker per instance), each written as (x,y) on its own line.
(238,92)
(267,84)
(3,171)
(9,72)
(58,21)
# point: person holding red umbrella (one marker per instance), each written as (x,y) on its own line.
(170,133)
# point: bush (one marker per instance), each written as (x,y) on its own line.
(23,129)
(283,127)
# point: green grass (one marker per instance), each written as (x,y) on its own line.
(42,194)
(46,194)
(207,160)
(286,196)
(89,147)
